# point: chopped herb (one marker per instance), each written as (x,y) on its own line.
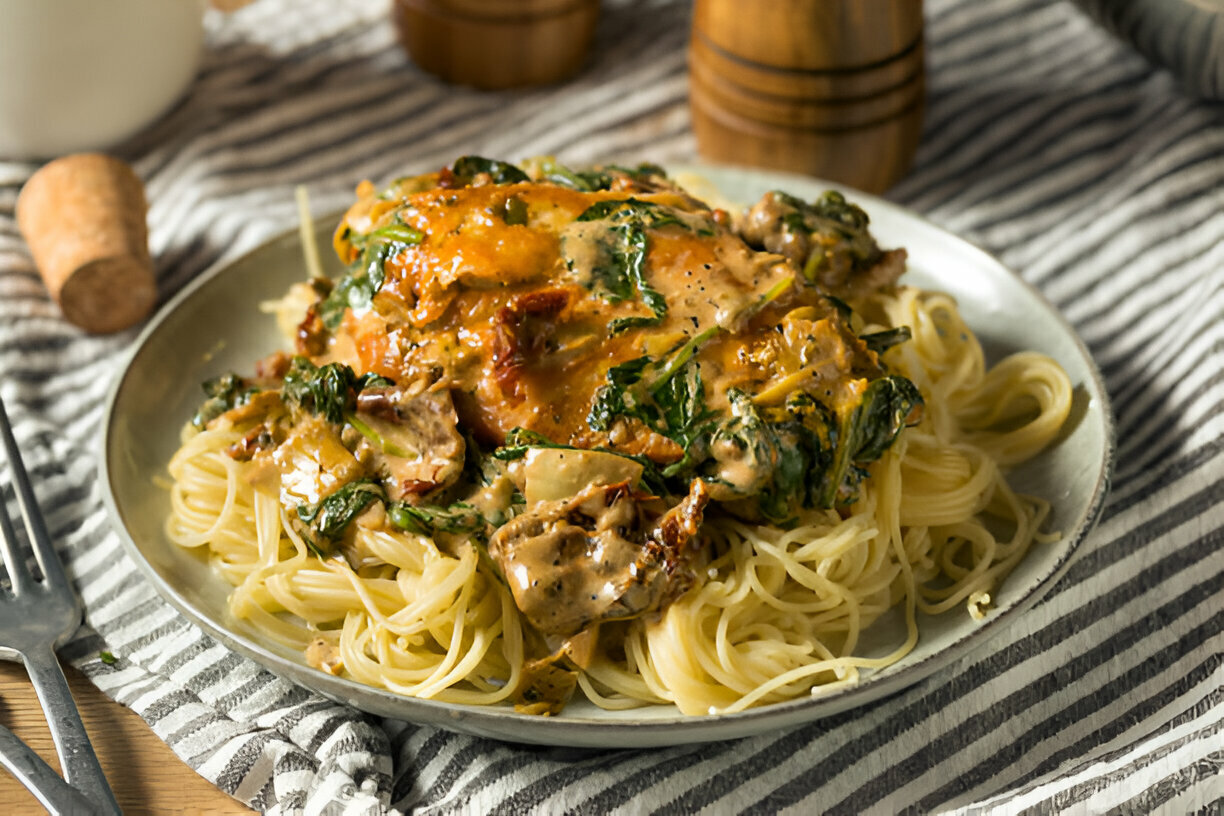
(842,307)
(630,258)
(616,398)
(773,293)
(886,408)
(834,230)
(641,172)
(682,355)
(458,518)
(621,269)
(630,210)
(329,391)
(396,232)
(552,170)
(798,455)
(549,169)
(519,441)
(385,445)
(666,395)
(224,393)
(466,168)
(881,341)
(515,211)
(326,520)
(479,467)
(357,289)
(407,185)
(787,454)
(883,412)
(108,658)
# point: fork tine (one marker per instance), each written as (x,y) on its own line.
(14,560)
(40,540)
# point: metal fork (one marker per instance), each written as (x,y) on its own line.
(35,618)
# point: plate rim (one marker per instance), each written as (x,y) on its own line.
(677,729)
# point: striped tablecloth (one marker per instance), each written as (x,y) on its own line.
(1047,142)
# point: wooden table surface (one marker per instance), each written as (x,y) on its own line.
(145,774)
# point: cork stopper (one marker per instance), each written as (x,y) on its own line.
(83,217)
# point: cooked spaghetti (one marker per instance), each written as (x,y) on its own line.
(562,430)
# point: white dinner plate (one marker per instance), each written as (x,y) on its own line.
(214,325)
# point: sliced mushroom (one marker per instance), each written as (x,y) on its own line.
(828,239)
(416,443)
(313,462)
(594,557)
(546,686)
(558,473)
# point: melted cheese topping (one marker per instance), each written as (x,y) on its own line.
(513,318)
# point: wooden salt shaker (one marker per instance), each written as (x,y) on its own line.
(830,88)
(83,217)
(497,44)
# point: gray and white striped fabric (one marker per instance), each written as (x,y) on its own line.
(1047,142)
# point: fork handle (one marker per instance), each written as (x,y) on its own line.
(76,755)
(56,795)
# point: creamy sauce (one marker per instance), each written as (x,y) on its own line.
(573,562)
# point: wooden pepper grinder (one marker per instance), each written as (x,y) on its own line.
(830,88)
(497,44)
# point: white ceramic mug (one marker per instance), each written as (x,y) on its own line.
(81,75)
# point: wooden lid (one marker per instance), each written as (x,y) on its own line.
(811,34)
(501,10)
(496,45)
